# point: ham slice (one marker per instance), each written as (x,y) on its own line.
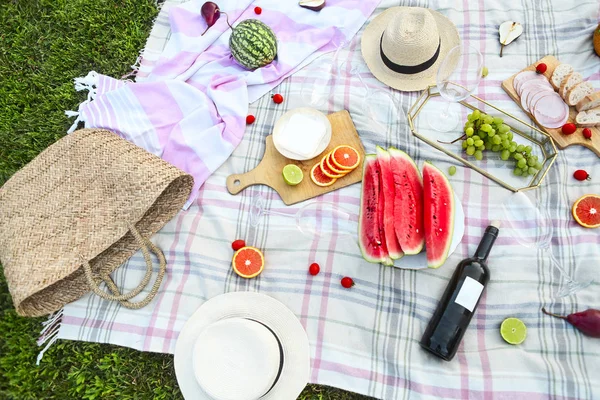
(532,89)
(521,77)
(537,79)
(551,111)
(533,98)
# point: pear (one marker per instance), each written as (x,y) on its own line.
(509,31)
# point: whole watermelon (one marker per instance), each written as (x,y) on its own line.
(253,44)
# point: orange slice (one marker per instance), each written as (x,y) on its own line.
(331,165)
(248,262)
(319,178)
(586,211)
(345,157)
(328,171)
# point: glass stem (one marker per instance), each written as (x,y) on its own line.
(445,113)
(557,265)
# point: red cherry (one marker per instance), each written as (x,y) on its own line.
(541,68)
(569,128)
(347,282)
(238,244)
(314,269)
(250,119)
(581,175)
(257,10)
(587,133)
(277,98)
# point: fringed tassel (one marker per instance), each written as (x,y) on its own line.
(135,68)
(89,83)
(49,334)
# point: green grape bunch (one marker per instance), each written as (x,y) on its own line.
(484,132)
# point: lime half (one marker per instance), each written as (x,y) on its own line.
(513,330)
(292,174)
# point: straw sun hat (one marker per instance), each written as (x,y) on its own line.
(242,346)
(404,46)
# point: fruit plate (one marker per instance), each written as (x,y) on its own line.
(430,104)
(419,261)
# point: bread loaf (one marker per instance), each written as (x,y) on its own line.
(588,118)
(559,74)
(578,92)
(568,83)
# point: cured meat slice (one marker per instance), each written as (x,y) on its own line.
(551,111)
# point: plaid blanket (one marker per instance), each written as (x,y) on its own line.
(366,339)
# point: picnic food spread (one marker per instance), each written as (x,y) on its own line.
(408,213)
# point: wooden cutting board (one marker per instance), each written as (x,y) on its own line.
(560,139)
(269,170)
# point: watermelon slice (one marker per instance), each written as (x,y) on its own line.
(370,235)
(438,216)
(386,211)
(408,206)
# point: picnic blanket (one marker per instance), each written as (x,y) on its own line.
(366,339)
(190,108)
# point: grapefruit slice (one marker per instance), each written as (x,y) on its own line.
(586,211)
(319,178)
(331,165)
(248,262)
(345,157)
(328,171)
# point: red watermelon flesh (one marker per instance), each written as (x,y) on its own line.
(370,235)
(386,210)
(408,205)
(438,215)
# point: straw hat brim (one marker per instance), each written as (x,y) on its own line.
(404,82)
(259,307)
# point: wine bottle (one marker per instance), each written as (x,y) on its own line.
(459,302)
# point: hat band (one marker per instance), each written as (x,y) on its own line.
(408,69)
(280,356)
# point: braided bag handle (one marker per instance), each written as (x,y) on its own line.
(146,246)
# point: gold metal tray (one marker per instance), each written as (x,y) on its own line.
(431,103)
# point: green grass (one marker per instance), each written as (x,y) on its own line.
(44,44)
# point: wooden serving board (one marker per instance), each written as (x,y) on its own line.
(269,170)
(560,139)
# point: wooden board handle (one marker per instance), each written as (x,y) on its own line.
(238,182)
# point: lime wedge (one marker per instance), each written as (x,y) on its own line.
(292,174)
(513,330)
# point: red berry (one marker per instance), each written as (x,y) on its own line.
(257,10)
(541,68)
(347,282)
(569,128)
(238,244)
(314,269)
(581,175)
(277,98)
(587,133)
(250,119)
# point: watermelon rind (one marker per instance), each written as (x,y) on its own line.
(387,194)
(370,240)
(253,44)
(408,203)
(438,217)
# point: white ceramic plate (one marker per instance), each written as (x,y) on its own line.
(316,118)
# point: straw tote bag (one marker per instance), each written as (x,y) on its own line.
(77,212)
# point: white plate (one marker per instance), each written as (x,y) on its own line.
(315,117)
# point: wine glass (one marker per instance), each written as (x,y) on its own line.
(531,226)
(312,219)
(458,76)
(317,95)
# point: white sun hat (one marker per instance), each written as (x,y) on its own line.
(242,346)
(404,46)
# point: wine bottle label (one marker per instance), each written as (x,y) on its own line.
(469,293)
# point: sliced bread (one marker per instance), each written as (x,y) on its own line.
(559,74)
(569,82)
(588,118)
(578,92)
(589,102)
